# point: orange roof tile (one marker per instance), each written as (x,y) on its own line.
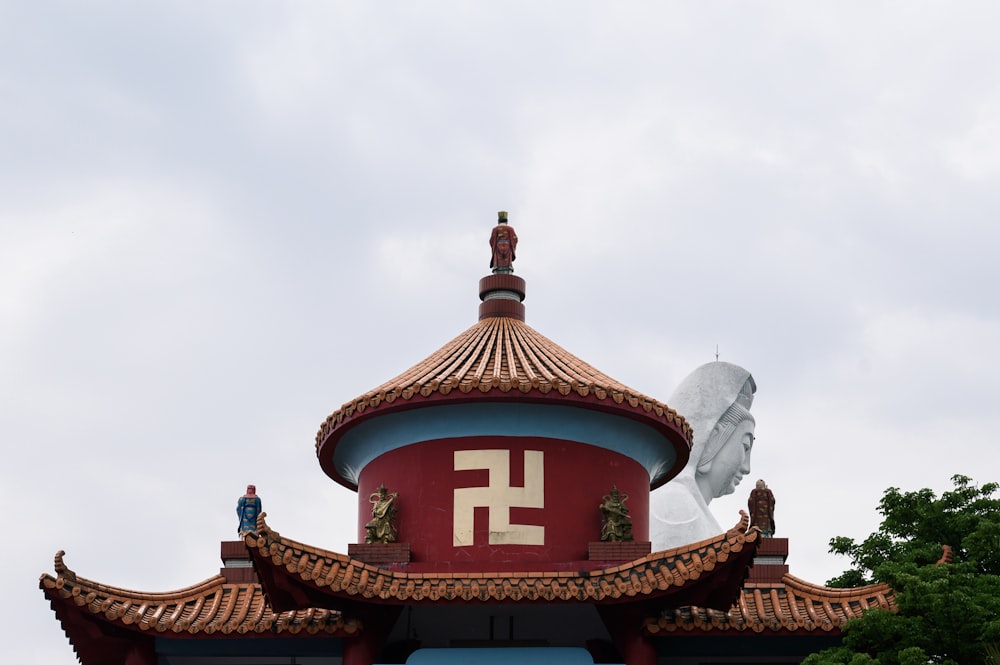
(791,605)
(211,608)
(294,574)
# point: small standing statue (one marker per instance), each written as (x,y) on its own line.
(503,242)
(761,505)
(616,525)
(382,527)
(248,508)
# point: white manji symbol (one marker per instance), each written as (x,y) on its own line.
(499,497)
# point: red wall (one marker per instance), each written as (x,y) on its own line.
(576,477)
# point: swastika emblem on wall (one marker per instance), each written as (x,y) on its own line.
(499,497)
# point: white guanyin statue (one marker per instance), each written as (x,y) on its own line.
(715,399)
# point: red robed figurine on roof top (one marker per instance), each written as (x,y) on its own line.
(503,242)
(761,505)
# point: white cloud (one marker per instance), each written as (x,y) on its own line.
(108,239)
(975,154)
(221,223)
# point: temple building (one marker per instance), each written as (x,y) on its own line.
(505,497)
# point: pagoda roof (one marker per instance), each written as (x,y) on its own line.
(100,620)
(708,573)
(498,358)
(210,609)
(789,606)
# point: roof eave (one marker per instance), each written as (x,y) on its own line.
(709,573)
(676,433)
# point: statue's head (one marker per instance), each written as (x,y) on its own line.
(615,496)
(761,485)
(502,217)
(715,399)
(251,490)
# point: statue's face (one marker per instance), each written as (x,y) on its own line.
(733,461)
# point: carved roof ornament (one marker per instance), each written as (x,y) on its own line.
(382,526)
(248,507)
(503,245)
(761,506)
(616,523)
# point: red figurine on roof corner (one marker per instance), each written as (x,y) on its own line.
(761,505)
(503,242)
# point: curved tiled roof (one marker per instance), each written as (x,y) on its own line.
(791,605)
(502,356)
(293,573)
(211,608)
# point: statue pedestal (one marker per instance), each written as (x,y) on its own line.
(769,564)
(379,552)
(604,550)
(237,566)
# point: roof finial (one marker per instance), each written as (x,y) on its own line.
(716,353)
(503,243)
(248,507)
(502,293)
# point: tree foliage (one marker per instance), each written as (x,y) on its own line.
(947,613)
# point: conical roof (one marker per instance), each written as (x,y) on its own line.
(502,358)
(494,357)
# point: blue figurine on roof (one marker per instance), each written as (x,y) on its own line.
(248,508)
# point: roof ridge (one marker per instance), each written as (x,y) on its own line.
(821,591)
(64,574)
(341,576)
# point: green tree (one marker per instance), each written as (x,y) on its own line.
(948,612)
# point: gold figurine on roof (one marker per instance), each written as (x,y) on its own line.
(382,527)
(616,524)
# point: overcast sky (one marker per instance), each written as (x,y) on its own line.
(221,221)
